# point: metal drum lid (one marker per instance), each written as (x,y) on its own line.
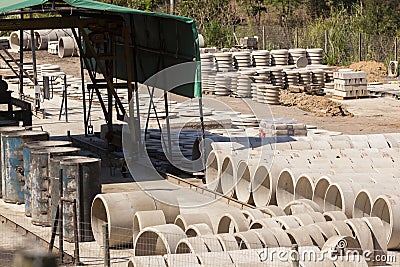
(25,134)
(50,143)
(55,150)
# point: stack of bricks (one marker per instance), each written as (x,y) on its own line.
(280,128)
(348,83)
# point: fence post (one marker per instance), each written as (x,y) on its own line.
(359,46)
(106,244)
(297,37)
(263,37)
(395,48)
(326,41)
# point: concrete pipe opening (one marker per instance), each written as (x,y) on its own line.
(285,187)
(228,177)
(341,196)
(261,186)
(387,208)
(15,40)
(334,198)
(41,39)
(319,191)
(362,205)
(243,184)
(212,174)
(117,210)
(304,188)
(67,47)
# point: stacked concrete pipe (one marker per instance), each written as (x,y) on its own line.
(15,40)
(67,47)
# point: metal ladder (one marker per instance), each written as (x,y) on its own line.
(14,64)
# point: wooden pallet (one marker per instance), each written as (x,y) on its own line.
(350,97)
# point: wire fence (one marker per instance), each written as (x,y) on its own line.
(340,48)
(170,245)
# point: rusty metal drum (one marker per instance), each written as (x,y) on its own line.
(13,162)
(28,147)
(40,182)
(82,182)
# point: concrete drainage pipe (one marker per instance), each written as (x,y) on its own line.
(320,190)
(243,183)
(187,219)
(341,196)
(67,47)
(252,215)
(180,260)
(303,219)
(142,261)
(363,203)
(301,206)
(264,223)
(304,188)
(285,186)
(232,222)
(287,222)
(326,229)
(248,240)
(158,240)
(229,175)
(300,237)
(227,241)
(41,39)
(335,215)
(213,170)
(214,259)
(315,234)
(117,210)
(191,245)
(143,219)
(198,229)
(272,211)
(341,228)
(266,237)
(387,208)
(362,233)
(261,186)
(15,40)
(378,235)
(335,243)
(212,243)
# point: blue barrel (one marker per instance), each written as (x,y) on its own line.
(82,182)
(4,129)
(40,181)
(28,147)
(13,162)
(54,173)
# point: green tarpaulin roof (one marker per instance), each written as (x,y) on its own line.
(163,40)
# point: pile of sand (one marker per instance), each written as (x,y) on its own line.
(319,105)
(376,71)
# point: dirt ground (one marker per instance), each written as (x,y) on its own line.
(372,115)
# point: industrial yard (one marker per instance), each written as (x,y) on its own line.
(126,140)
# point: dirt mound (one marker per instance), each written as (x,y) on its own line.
(376,71)
(319,105)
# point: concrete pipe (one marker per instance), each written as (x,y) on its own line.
(300,237)
(243,182)
(335,215)
(158,240)
(248,240)
(228,242)
(326,229)
(142,261)
(232,222)
(287,222)
(340,144)
(300,145)
(339,242)
(378,236)
(317,217)
(341,228)
(198,229)
(252,215)
(315,234)
(320,145)
(362,233)
(264,223)
(212,243)
(67,47)
(387,208)
(341,196)
(41,39)
(261,186)
(272,211)
(186,219)
(117,210)
(304,188)
(229,175)
(181,260)
(363,202)
(303,219)
(281,236)
(266,237)
(214,259)
(247,257)
(143,219)
(213,170)
(301,206)
(377,141)
(15,40)
(320,190)
(359,141)
(193,245)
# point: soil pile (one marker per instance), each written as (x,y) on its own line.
(319,105)
(376,71)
